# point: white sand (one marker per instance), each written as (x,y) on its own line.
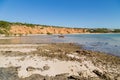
(19,47)
(56,66)
(74,55)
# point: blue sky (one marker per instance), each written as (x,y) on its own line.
(71,13)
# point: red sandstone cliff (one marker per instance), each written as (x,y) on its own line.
(17,29)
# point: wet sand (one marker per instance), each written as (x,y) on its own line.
(57,61)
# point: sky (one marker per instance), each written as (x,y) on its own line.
(68,13)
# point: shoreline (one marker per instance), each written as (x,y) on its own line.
(80,63)
(37,38)
(3,35)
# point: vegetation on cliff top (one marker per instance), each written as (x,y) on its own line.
(4,27)
(5,24)
(103,30)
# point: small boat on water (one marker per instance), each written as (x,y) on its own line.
(61,36)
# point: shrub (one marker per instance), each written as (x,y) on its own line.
(49,33)
(26,24)
(116,31)
(20,34)
(7,35)
(99,30)
(4,25)
(1,31)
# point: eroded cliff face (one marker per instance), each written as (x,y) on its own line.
(17,29)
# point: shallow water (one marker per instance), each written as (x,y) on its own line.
(109,43)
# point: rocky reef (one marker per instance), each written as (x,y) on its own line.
(58,61)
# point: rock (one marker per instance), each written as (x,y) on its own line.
(73,77)
(60,78)
(101,75)
(116,46)
(46,67)
(9,73)
(83,52)
(117,77)
(59,50)
(30,68)
(63,74)
(8,51)
(83,74)
(106,43)
(78,51)
(34,77)
(48,78)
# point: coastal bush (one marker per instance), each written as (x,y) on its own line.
(26,24)
(99,30)
(116,30)
(1,31)
(29,25)
(7,34)
(20,34)
(49,33)
(4,25)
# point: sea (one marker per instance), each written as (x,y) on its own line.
(108,42)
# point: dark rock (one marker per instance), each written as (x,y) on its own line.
(73,77)
(83,52)
(101,75)
(30,68)
(106,43)
(64,74)
(34,77)
(117,77)
(48,78)
(8,51)
(59,50)
(116,46)
(46,67)
(60,78)
(9,73)
(78,51)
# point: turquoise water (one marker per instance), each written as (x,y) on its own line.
(109,43)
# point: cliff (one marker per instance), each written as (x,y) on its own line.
(25,28)
(17,29)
